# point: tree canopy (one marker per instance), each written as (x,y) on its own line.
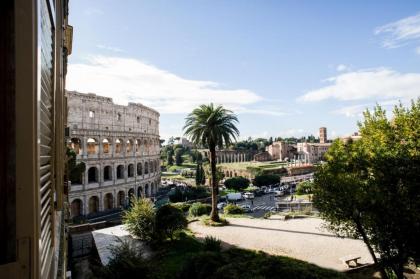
(370,188)
(237,183)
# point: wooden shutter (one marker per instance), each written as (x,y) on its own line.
(46,135)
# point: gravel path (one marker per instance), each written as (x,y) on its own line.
(303,239)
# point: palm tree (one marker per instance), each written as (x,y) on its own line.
(213,127)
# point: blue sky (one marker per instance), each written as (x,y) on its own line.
(285,67)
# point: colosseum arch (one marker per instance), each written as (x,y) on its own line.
(146,190)
(120,172)
(93,175)
(76,208)
(118,146)
(76,145)
(107,173)
(131,195)
(106,146)
(129,146)
(139,168)
(120,199)
(92,146)
(108,201)
(130,171)
(137,143)
(146,168)
(139,192)
(152,188)
(93,204)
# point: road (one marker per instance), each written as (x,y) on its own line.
(263,204)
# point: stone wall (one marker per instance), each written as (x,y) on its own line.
(120,148)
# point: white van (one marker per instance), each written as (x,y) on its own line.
(249,195)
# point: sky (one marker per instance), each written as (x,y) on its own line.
(285,68)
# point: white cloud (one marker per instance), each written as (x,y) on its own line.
(400,32)
(130,80)
(342,68)
(378,84)
(357,110)
(418,50)
(110,48)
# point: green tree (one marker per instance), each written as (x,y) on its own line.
(266,179)
(170,157)
(169,219)
(140,219)
(369,188)
(304,187)
(237,183)
(213,127)
(178,156)
(198,178)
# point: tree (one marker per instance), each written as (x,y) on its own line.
(369,188)
(304,187)
(266,179)
(214,127)
(170,157)
(178,156)
(237,183)
(140,219)
(169,219)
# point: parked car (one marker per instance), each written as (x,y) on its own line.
(246,207)
(249,195)
(221,205)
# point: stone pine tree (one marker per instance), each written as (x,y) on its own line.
(370,188)
(212,126)
(170,157)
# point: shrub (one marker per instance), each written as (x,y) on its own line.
(266,179)
(199,209)
(212,244)
(168,220)
(237,183)
(140,219)
(304,187)
(188,193)
(201,265)
(126,262)
(233,209)
(183,206)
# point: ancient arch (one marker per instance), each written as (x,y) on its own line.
(106,146)
(93,204)
(76,145)
(146,167)
(139,169)
(120,172)
(130,170)
(93,175)
(92,146)
(118,146)
(108,201)
(76,208)
(120,199)
(107,173)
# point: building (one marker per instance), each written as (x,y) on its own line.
(184,142)
(34,43)
(323,135)
(120,148)
(280,150)
(314,152)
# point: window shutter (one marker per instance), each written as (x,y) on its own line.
(45,130)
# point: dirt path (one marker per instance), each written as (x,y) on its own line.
(303,239)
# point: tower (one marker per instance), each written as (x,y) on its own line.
(323,135)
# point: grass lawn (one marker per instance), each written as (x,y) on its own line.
(231,263)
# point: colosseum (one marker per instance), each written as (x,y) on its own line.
(119,146)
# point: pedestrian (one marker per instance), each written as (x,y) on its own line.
(252,202)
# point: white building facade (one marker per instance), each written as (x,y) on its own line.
(120,148)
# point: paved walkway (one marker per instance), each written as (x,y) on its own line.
(304,239)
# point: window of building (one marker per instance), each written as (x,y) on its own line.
(138,119)
(150,121)
(119,116)
(91,114)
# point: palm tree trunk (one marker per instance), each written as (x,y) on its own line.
(214,213)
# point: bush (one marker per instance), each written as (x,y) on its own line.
(183,206)
(266,179)
(168,220)
(304,187)
(126,262)
(199,209)
(188,193)
(237,183)
(139,220)
(212,244)
(233,209)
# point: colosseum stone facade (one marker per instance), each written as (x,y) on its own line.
(120,148)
